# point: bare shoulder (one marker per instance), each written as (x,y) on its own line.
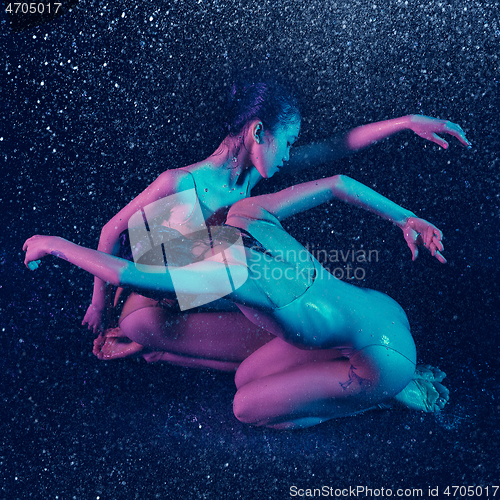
(173,181)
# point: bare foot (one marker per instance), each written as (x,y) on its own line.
(114,345)
(425,392)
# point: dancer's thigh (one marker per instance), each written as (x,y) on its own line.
(314,391)
(281,384)
(277,356)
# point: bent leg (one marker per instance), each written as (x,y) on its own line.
(278,356)
(205,339)
(218,339)
(312,390)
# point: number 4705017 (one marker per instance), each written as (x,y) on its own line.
(33,8)
(472,491)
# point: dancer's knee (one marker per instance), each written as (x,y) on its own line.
(242,408)
(146,326)
(245,373)
(249,408)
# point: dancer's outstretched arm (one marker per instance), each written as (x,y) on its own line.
(307,195)
(205,277)
(361,137)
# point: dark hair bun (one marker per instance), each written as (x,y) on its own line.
(268,102)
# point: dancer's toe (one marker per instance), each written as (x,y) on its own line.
(444,395)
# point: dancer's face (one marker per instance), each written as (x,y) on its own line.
(272,149)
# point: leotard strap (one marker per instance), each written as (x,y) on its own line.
(250,241)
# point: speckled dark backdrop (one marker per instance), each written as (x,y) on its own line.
(97,103)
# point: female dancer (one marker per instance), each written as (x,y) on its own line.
(340,349)
(225,177)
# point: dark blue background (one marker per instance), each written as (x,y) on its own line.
(97,103)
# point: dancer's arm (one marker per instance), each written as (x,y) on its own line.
(308,195)
(168,183)
(205,277)
(361,137)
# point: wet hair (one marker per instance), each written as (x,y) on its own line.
(267,102)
